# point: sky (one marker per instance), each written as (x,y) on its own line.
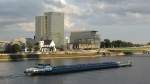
(127,20)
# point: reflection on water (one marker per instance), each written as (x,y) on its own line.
(12,72)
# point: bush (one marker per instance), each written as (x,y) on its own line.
(128,52)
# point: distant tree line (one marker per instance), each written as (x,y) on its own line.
(14,48)
(18,47)
(117,44)
(148,43)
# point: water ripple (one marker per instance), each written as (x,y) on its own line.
(11,76)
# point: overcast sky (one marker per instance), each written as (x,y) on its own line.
(127,20)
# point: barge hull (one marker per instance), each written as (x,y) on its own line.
(80,67)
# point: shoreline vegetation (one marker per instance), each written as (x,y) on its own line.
(104,52)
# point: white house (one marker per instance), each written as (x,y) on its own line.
(47,46)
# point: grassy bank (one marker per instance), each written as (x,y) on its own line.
(129,50)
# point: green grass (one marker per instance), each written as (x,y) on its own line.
(129,49)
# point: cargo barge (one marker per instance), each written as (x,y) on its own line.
(47,69)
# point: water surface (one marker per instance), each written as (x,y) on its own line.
(12,72)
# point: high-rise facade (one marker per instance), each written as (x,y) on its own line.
(50,27)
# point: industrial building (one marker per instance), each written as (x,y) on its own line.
(50,26)
(85,40)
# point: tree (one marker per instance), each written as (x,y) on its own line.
(12,48)
(148,43)
(102,44)
(107,43)
(116,44)
(36,47)
(16,48)
(8,48)
(30,48)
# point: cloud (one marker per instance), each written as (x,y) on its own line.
(79,14)
(14,12)
(27,26)
(82,14)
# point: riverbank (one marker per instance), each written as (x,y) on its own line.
(68,54)
(41,56)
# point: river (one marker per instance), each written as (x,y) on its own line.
(139,73)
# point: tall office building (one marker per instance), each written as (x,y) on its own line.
(50,26)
